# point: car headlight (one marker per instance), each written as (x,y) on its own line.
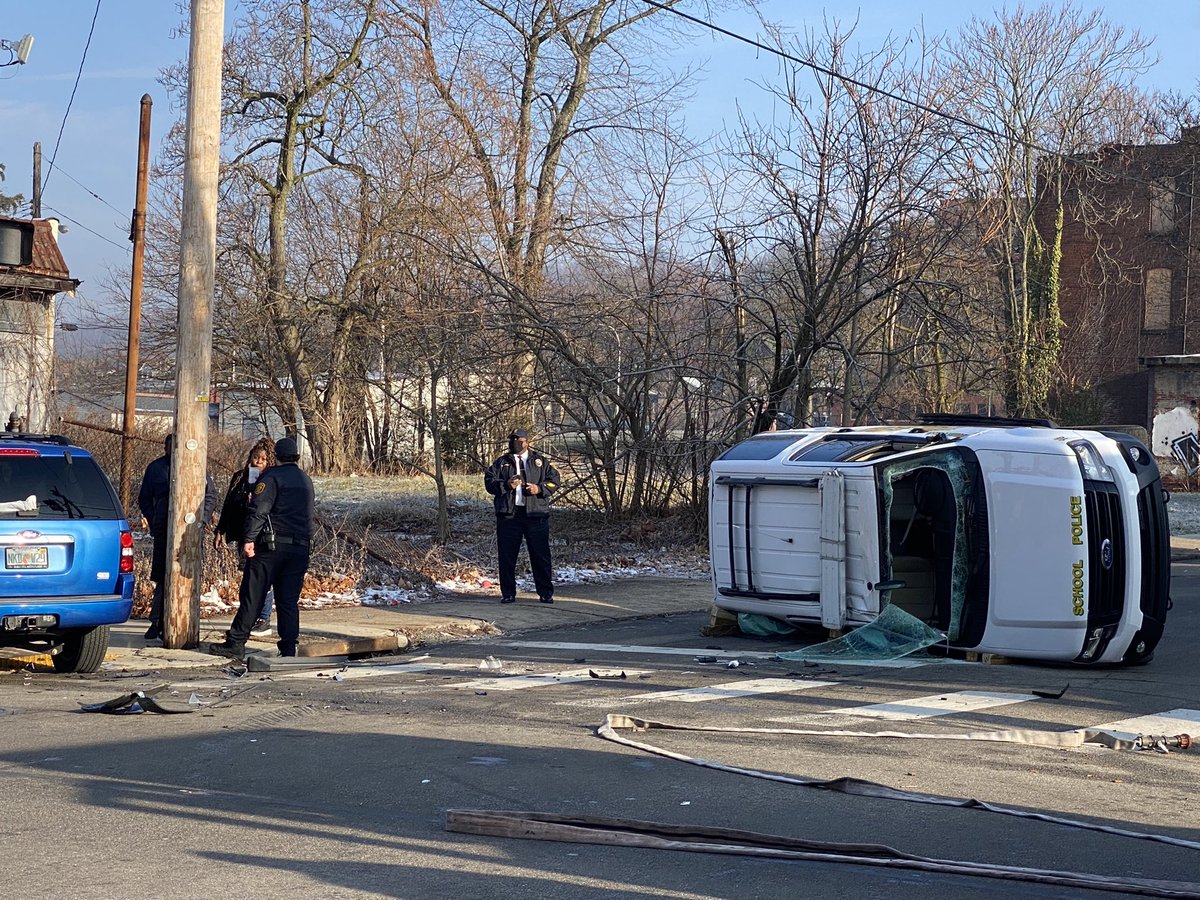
(1091,463)
(1097,642)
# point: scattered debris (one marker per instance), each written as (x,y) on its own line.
(1050,694)
(491,664)
(610,675)
(706,659)
(732,664)
(137,702)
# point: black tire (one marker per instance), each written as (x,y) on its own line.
(82,651)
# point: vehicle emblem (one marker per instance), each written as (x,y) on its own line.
(29,535)
(1106,553)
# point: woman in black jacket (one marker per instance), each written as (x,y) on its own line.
(232,523)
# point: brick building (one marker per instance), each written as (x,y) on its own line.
(1129,293)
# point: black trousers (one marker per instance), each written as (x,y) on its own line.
(282,568)
(535,530)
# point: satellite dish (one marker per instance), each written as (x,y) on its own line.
(23,48)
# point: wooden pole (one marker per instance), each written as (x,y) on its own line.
(137,234)
(197,265)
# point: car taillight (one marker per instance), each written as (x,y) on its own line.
(126,552)
(19,451)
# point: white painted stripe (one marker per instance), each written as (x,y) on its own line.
(701,694)
(730,689)
(520,682)
(1170,723)
(719,654)
(372,671)
(637,648)
(934,705)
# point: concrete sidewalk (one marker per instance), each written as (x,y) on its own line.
(450,618)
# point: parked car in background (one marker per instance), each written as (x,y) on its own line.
(67,569)
(1010,536)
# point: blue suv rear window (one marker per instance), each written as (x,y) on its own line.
(61,487)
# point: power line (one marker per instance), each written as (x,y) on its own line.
(899,98)
(91,230)
(88,189)
(74,88)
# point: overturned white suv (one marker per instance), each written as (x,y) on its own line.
(1011,536)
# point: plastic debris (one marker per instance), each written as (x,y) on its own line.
(491,664)
(762,626)
(686,803)
(732,664)
(1049,694)
(135,703)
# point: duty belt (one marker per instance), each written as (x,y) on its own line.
(290,539)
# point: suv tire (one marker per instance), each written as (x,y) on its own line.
(82,651)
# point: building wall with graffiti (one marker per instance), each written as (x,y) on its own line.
(1175,412)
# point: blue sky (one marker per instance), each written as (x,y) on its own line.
(133,39)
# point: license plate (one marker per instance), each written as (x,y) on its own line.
(25,558)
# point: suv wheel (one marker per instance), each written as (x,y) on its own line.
(82,651)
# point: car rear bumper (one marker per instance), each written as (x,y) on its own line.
(75,612)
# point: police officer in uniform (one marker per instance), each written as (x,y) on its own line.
(276,539)
(521,483)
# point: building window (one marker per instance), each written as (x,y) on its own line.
(1162,205)
(22,316)
(1158,299)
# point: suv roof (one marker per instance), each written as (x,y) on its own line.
(30,438)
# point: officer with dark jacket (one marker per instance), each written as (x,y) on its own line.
(154,501)
(276,539)
(521,483)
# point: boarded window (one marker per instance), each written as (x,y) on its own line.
(22,316)
(1158,299)
(1162,205)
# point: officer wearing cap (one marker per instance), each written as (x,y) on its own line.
(521,483)
(278,532)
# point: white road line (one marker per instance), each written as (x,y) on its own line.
(719,654)
(1171,722)
(934,705)
(726,691)
(373,671)
(520,682)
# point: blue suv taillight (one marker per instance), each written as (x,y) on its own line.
(126,552)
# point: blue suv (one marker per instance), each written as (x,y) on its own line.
(67,569)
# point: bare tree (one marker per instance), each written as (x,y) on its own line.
(851,184)
(1042,86)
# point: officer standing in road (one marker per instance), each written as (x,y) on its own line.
(276,541)
(521,483)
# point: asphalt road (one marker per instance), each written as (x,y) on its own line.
(303,785)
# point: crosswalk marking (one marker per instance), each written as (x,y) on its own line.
(906,663)
(519,682)
(637,648)
(1170,723)
(726,691)
(934,705)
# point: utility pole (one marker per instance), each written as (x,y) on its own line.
(35,204)
(197,265)
(137,234)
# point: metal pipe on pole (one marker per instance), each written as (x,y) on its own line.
(35,204)
(197,275)
(137,234)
